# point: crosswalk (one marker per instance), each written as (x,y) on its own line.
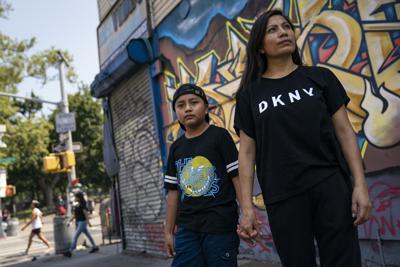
(12,249)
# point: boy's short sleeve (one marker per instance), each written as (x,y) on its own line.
(334,93)
(243,116)
(170,178)
(229,154)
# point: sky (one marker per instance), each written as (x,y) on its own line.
(64,24)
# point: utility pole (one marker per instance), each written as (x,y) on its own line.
(65,109)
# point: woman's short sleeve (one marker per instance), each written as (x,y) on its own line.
(334,93)
(243,115)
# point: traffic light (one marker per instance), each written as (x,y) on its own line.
(11,190)
(59,162)
(68,158)
(52,163)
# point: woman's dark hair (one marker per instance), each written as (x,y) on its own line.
(80,198)
(256,62)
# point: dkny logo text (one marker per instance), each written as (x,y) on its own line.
(291,97)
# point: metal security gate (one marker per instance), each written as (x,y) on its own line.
(140,176)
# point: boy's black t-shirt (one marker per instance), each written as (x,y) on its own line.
(201,169)
(290,120)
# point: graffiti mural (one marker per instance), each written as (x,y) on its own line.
(140,183)
(358,40)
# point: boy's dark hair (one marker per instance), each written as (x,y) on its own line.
(188,88)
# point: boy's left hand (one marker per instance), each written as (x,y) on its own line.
(169,245)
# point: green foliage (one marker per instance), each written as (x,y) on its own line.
(27,141)
(13,66)
(29,108)
(41,62)
(4,8)
(28,137)
(89,131)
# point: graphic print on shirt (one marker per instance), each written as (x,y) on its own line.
(197,177)
(277,101)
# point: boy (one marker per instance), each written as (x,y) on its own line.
(202,183)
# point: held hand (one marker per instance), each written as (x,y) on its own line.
(90,225)
(169,245)
(249,228)
(23,228)
(68,224)
(361,204)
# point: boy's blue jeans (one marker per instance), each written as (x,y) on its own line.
(195,249)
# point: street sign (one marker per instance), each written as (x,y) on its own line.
(77,147)
(65,122)
(7,160)
(3,182)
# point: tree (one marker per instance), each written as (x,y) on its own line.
(27,137)
(89,128)
(27,141)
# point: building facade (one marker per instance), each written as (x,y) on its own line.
(204,42)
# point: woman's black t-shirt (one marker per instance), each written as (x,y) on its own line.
(201,169)
(78,211)
(290,120)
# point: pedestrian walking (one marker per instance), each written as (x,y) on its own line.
(36,222)
(202,184)
(293,126)
(81,217)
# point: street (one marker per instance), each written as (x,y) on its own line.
(12,248)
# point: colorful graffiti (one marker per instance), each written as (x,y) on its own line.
(385,197)
(358,40)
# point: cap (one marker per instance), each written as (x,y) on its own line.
(189,88)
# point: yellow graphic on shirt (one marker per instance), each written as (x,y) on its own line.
(198,177)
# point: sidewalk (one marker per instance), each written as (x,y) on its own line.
(12,247)
(110,256)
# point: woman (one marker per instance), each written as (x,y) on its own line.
(36,221)
(81,217)
(294,127)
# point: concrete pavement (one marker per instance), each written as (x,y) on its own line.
(12,248)
(110,256)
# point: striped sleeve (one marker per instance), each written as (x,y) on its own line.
(170,177)
(232,166)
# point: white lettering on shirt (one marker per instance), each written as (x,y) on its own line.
(263,106)
(276,100)
(294,96)
(309,92)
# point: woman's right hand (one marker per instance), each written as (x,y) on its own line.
(249,228)
(169,245)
